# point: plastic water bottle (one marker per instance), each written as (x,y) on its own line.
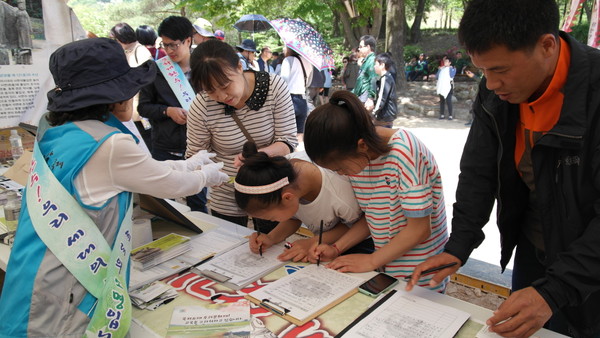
(16,144)
(11,211)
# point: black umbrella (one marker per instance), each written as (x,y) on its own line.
(252,23)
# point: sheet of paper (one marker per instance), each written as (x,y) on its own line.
(405,316)
(202,246)
(241,266)
(308,290)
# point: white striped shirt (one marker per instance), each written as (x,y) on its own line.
(208,128)
(404,183)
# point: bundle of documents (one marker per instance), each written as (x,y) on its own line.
(306,293)
(212,320)
(159,251)
(153,295)
(203,247)
(240,266)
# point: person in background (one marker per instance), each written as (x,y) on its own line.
(165,102)
(294,192)
(386,109)
(409,69)
(324,94)
(396,182)
(264,60)
(44,293)
(445,87)
(297,73)
(147,37)
(276,61)
(421,69)
(350,72)
(533,151)
(203,31)
(219,34)
(247,54)
(315,88)
(261,103)
(460,63)
(125,36)
(136,54)
(365,82)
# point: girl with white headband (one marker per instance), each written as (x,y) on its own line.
(293,192)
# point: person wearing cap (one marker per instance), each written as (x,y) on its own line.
(203,31)
(67,274)
(165,102)
(246,52)
(219,34)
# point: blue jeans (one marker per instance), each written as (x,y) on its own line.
(301,110)
(195,202)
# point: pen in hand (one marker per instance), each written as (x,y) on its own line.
(438,268)
(260,246)
(320,240)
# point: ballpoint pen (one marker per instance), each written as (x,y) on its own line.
(320,240)
(438,268)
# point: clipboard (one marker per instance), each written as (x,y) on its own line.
(366,313)
(270,298)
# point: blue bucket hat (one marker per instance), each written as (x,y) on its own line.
(248,45)
(94,71)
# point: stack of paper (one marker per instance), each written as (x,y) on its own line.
(213,320)
(203,246)
(240,266)
(153,295)
(159,251)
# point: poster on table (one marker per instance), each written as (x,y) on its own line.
(30,30)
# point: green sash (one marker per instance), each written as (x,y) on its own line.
(79,245)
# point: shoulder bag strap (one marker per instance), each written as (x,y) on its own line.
(244,130)
(303,70)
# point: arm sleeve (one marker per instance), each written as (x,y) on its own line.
(283,114)
(148,106)
(120,165)
(198,135)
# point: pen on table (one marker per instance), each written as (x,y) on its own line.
(195,265)
(438,268)
(320,239)
(258,231)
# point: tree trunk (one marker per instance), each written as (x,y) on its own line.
(350,39)
(353,32)
(415,30)
(394,40)
(336,23)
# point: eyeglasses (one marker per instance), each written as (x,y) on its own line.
(170,46)
(359,46)
(344,61)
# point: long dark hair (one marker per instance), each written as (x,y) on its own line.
(260,169)
(96,112)
(210,63)
(333,130)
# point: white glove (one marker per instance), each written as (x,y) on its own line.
(202,157)
(213,174)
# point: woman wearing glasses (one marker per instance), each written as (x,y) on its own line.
(166,101)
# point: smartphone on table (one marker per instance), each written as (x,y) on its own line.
(378,284)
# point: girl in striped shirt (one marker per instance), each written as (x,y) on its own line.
(396,182)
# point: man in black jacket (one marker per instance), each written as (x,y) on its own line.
(534,148)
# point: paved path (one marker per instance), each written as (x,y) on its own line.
(446,140)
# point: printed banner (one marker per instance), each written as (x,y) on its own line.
(593,38)
(177,81)
(29,33)
(574,10)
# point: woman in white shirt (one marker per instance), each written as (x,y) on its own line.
(297,72)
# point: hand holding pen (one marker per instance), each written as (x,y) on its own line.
(320,240)
(443,265)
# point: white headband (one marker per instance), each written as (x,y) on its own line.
(261,189)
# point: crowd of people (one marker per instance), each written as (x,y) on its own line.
(222,125)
